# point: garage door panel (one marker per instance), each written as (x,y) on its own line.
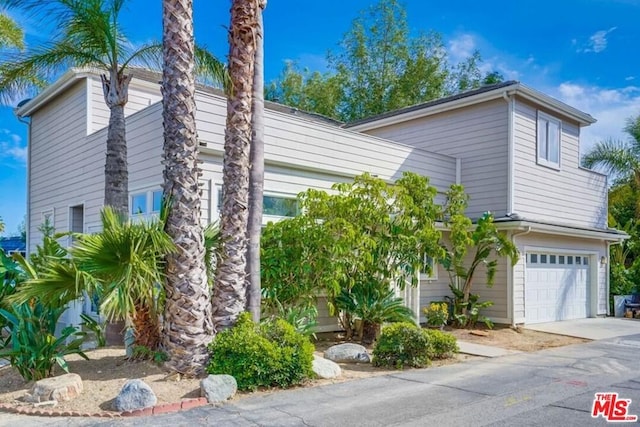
(556,287)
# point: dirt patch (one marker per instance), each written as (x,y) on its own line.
(521,339)
(107,370)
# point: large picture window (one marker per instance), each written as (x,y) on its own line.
(549,129)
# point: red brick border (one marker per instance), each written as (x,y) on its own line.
(164,408)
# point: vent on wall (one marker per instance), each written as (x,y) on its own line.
(201,143)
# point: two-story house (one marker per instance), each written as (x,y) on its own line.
(514,149)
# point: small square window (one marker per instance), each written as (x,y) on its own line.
(139,204)
(585,261)
(543,259)
(552,259)
(560,259)
(570,260)
(578,260)
(533,258)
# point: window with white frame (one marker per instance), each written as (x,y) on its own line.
(285,206)
(549,130)
(144,203)
(429,269)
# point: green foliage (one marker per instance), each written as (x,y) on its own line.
(442,345)
(437,313)
(466,310)
(31,346)
(379,67)
(96,327)
(141,352)
(486,242)
(303,319)
(11,35)
(402,344)
(272,354)
(212,245)
(367,234)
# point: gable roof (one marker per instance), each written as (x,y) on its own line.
(471,97)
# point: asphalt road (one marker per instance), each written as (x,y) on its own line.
(553,387)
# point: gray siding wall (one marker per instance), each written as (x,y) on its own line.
(436,290)
(571,195)
(562,244)
(478,136)
(140,97)
(58,162)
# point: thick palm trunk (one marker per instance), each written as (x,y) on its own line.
(256,176)
(116,175)
(188,328)
(229,294)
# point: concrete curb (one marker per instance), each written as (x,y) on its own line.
(164,408)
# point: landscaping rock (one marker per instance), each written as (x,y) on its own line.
(347,353)
(61,388)
(324,368)
(218,388)
(135,394)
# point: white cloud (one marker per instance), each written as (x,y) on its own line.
(12,151)
(611,107)
(461,47)
(597,41)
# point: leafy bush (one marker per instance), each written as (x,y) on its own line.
(437,313)
(32,347)
(265,355)
(303,319)
(442,345)
(402,344)
(467,314)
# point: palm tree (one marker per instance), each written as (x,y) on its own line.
(188,325)
(618,157)
(11,35)
(89,37)
(256,175)
(229,295)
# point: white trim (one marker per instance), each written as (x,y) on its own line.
(511,154)
(542,116)
(560,230)
(518,89)
(89,107)
(434,270)
(70,219)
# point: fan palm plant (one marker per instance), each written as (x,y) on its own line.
(123,264)
(90,36)
(618,157)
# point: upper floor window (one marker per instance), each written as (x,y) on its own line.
(272,205)
(429,269)
(548,140)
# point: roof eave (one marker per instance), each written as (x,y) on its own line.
(608,235)
(556,106)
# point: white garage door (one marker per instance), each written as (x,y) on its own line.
(556,287)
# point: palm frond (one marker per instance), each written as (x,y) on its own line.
(612,156)
(210,69)
(10,34)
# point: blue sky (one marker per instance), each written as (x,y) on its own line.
(583,52)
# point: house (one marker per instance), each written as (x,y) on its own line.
(514,149)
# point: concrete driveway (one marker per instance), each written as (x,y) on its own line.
(598,328)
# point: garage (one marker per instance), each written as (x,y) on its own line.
(557,286)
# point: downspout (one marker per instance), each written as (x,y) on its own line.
(510,294)
(27,222)
(510,150)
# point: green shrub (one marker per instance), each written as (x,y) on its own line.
(402,344)
(31,346)
(442,345)
(266,355)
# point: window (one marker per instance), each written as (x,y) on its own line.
(157,201)
(146,202)
(139,204)
(548,140)
(534,258)
(285,206)
(433,266)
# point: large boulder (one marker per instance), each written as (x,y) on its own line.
(218,388)
(135,394)
(61,388)
(347,353)
(324,368)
